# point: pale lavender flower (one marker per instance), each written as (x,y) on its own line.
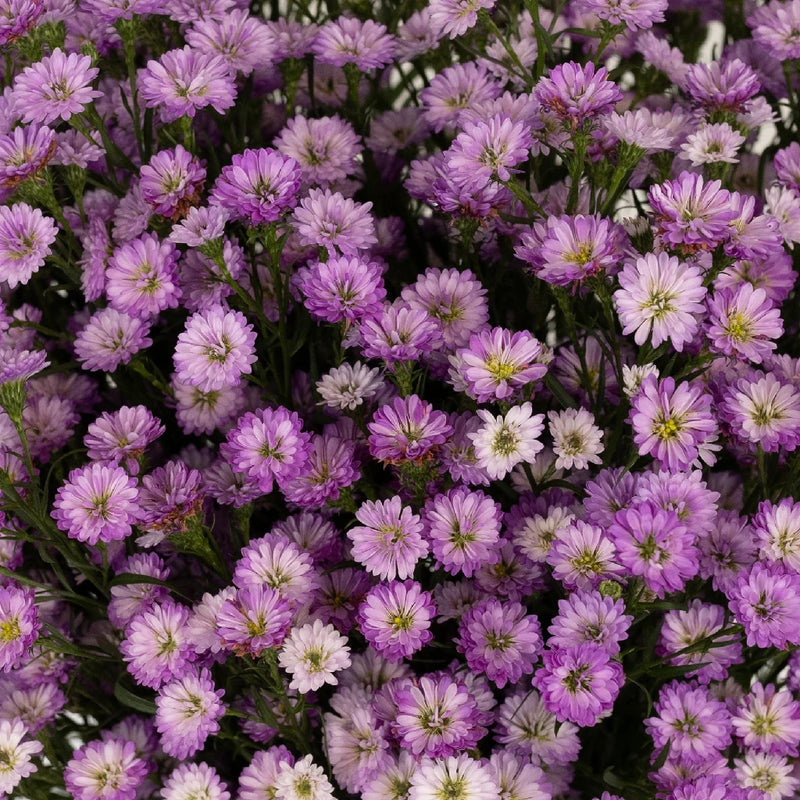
(311,654)
(26,236)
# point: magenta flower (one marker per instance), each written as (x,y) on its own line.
(775,27)
(23,152)
(634,14)
(19,626)
(399,333)
(257,618)
(109,339)
(201,226)
(328,219)
(25,239)
(589,617)
(406,430)
(768,720)
(105,769)
(98,503)
(17,18)
(348,40)
(122,436)
(171,181)
(56,87)
(576,94)
(721,86)
(582,556)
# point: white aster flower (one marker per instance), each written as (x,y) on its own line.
(304,781)
(576,439)
(312,654)
(347,386)
(455,778)
(15,755)
(632,377)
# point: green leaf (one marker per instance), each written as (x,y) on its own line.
(131,700)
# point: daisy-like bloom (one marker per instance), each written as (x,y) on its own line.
(764,410)
(457,300)
(399,333)
(699,628)
(743,322)
(258,185)
(326,148)
(647,130)
(567,249)
(348,287)
(130,599)
(457,778)
(201,226)
(328,219)
(589,617)
(98,503)
(660,297)
(655,545)
(183,81)
(695,724)
(257,779)
(19,628)
(392,781)
(577,94)
(712,144)
(348,40)
(577,441)
(456,89)
(768,773)
(312,654)
(634,14)
(776,528)
(388,541)
(722,86)
(768,720)
(109,339)
(499,362)
(268,445)
(122,436)
(187,710)
(15,754)
(18,17)
(691,212)
(763,600)
(500,640)
(346,387)
(23,152)
(726,550)
(141,278)
(194,781)
(56,87)
(26,236)
(776,26)
(582,556)
(504,441)
(673,424)
(436,717)
(215,349)
(783,205)
(396,618)
(255,619)
(579,684)
(407,429)
(463,528)
(203,412)
(304,780)
(240,38)
(454,18)
(105,770)
(171,181)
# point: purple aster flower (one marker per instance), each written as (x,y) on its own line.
(240,38)
(726,550)
(109,339)
(768,720)
(256,619)
(396,617)
(130,599)
(725,86)
(25,239)
(764,601)
(198,411)
(201,226)
(122,436)
(183,81)
(579,684)
(19,626)
(141,277)
(500,640)
(328,219)
(696,725)
(290,39)
(348,40)
(454,18)
(171,181)
(438,717)
(23,152)
(776,528)
(216,348)
(194,780)
(673,424)
(610,491)
(388,541)
(16,754)
(347,287)
(399,333)
(458,452)
(766,774)
(699,627)
(743,322)
(311,654)
(692,213)
(338,596)
(660,297)
(18,17)
(170,497)
(582,556)
(258,186)
(634,14)
(105,770)
(98,502)
(56,87)
(268,445)
(20,365)
(406,430)
(775,27)
(454,90)
(589,617)
(257,779)
(187,710)
(458,777)
(567,249)
(463,528)
(576,93)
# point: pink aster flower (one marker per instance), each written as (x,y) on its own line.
(454,90)
(582,556)
(183,81)
(348,40)
(776,27)
(589,617)
(506,440)
(98,502)
(201,226)
(109,339)
(660,297)
(576,93)
(455,17)
(722,86)
(258,185)
(768,720)
(673,424)
(311,654)
(171,181)
(216,348)
(26,236)
(17,754)
(634,14)
(776,528)
(579,684)
(122,436)
(407,429)
(396,618)
(56,87)
(130,599)
(257,618)
(19,627)
(23,152)
(328,219)
(194,780)
(18,17)
(239,37)
(105,770)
